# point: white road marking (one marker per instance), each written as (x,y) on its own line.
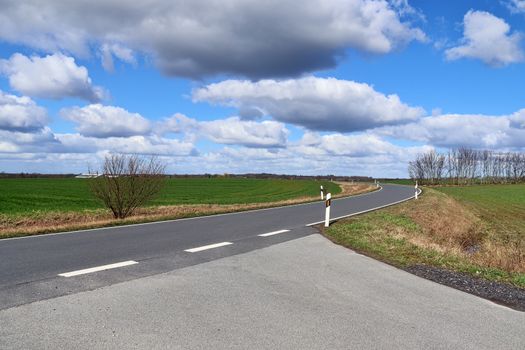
(98,268)
(273,233)
(206,247)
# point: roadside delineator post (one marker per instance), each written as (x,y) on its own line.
(327,203)
(377,183)
(322,192)
(416,191)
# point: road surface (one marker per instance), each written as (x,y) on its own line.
(33,268)
(255,280)
(306,293)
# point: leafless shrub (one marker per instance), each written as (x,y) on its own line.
(128,182)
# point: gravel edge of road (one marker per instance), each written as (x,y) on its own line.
(500,293)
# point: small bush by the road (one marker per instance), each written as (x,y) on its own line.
(128,182)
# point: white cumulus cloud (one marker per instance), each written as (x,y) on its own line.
(324,104)
(22,142)
(516,6)
(250,38)
(488,38)
(108,51)
(20,113)
(356,145)
(249,133)
(312,155)
(97,120)
(148,145)
(455,130)
(54,76)
(231,131)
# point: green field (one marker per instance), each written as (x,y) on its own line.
(408,182)
(20,196)
(502,207)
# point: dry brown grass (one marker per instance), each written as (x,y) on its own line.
(38,223)
(447,226)
(350,188)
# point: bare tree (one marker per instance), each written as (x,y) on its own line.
(516,167)
(433,165)
(486,159)
(453,166)
(128,182)
(427,167)
(416,169)
(469,160)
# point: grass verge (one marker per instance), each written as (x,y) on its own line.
(440,231)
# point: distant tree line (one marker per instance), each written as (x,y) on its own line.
(33,175)
(247,176)
(355,178)
(461,166)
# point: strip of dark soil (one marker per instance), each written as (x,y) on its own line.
(500,293)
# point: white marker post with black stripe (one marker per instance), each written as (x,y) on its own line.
(417,192)
(322,192)
(327,203)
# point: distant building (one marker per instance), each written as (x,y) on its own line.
(87,176)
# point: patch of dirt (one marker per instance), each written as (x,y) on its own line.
(351,188)
(500,293)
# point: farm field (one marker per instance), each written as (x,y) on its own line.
(407,182)
(501,207)
(40,205)
(22,196)
(478,230)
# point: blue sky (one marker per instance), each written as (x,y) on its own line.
(351,87)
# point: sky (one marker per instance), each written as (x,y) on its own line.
(345,87)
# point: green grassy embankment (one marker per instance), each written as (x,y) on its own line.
(479,230)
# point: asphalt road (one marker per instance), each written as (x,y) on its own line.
(31,267)
(306,293)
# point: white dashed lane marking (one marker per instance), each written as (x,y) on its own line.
(98,268)
(273,233)
(206,247)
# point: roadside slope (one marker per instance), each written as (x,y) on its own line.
(436,234)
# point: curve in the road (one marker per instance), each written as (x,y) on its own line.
(33,263)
